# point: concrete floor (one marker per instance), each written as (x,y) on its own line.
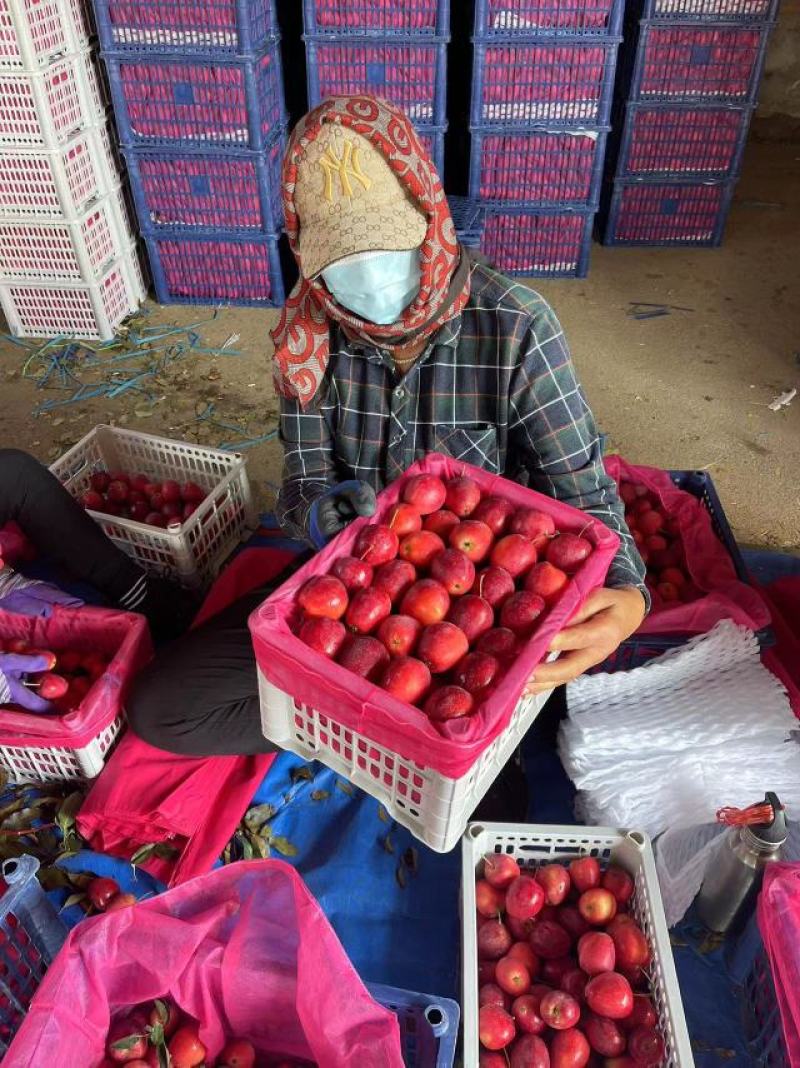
(686,390)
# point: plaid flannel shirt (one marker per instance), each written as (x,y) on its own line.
(495,387)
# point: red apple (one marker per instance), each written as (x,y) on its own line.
(553,971)
(500,869)
(605,1036)
(548,939)
(643,1015)
(546,581)
(155,519)
(596,953)
(463,495)
(99,481)
(426,493)
(554,879)
(646,1047)
(559,1010)
(495,1027)
(140,510)
(650,522)
(521,612)
(406,678)
(404,519)
(585,873)
(427,600)
(570,1049)
(394,578)
(476,671)
(399,634)
(512,976)
(533,524)
(376,544)
(491,994)
(324,635)
(473,538)
(514,553)
(529,1051)
(568,552)
(500,642)
(170,490)
(525,1011)
(522,951)
(441,522)
(597,906)
(323,595)
(363,656)
(630,942)
(420,548)
(191,493)
(118,490)
(494,584)
(93,500)
(610,994)
(520,929)
(489,900)
(619,882)
(441,646)
(473,615)
(494,512)
(354,574)
(492,1059)
(524,898)
(366,610)
(454,570)
(494,941)
(486,968)
(449,702)
(574,982)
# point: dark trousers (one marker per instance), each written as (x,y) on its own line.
(59,527)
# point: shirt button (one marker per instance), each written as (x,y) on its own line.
(399,392)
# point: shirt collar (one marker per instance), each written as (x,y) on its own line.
(447,335)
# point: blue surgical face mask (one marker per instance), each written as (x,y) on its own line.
(377,286)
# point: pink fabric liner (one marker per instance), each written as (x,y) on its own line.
(779,923)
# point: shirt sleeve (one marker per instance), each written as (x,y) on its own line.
(308,463)
(553,436)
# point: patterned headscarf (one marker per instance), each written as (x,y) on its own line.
(302,336)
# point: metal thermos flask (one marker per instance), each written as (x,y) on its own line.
(736,868)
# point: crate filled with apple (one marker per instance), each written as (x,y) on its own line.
(567,956)
(136,496)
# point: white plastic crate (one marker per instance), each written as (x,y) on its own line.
(24,764)
(90,310)
(63,251)
(44,108)
(435,808)
(193,553)
(534,844)
(60,183)
(33,32)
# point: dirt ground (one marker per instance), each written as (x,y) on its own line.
(689,389)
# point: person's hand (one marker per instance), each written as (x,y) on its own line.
(338,507)
(30,597)
(13,669)
(606,618)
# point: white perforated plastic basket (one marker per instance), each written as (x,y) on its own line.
(33,32)
(534,844)
(56,763)
(432,806)
(60,183)
(194,551)
(43,109)
(61,251)
(91,310)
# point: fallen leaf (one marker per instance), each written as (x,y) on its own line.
(320,795)
(411,860)
(387,843)
(400,875)
(383,815)
(345,787)
(143,853)
(73,899)
(303,772)
(284,846)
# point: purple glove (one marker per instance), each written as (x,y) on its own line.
(29,597)
(13,668)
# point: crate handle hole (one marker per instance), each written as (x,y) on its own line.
(475,830)
(436,1018)
(637,838)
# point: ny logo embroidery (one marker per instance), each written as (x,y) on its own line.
(345,167)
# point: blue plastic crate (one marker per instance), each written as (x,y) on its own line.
(545,81)
(238,190)
(538,167)
(428,1025)
(190,102)
(433,139)
(710,10)
(392,18)
(544,243)
(698,63)
(216,269)
(680,140)
(469,219)
(410,72)
(31,934)
(667,213)
(562,18)
(190,27)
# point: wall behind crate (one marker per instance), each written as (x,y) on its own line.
(778,114)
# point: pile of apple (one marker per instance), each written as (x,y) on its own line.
(158,1034)
(434,602)
(137,497)
(561,968)
(658,539)
(68,678)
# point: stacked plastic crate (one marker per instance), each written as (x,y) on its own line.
(541,100)
(197,90)
(68,263)
(689,88)
(396,50)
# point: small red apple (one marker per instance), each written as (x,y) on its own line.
(454,570)
(610,994)
(605,1036)
(494,584)
(500,869)
(377,544)
(420,548)
(489,900)
(568,552)
(463,495)
(323,595)
(619,883)
(404,519)
(494,940)
(406,678)
(525,1011)
(548,939)
(441,646)
(643,1015)
(512,976)
(585,873)
(399,634)
(597,906)
(363,655)
(476,671)
(630,942)
(559,1010)
(574,982)
(473,538)
(553,971)
(366,610)
(426,493)
(522,951)
(570,1049)
(646,1047)
(494,512)
(533,524)
(394,578)
(354,574)
(495,1027)
(324,635)
(554,879)
(92,500)
(491,994)
(449,702)
(547,581)
(473,615)
(441,522)
(515,553)
(427,600)
(521,612)
(524,898)
(99,481)
(596,953)
(529,1051)
(500,642)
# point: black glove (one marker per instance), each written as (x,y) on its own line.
(332,512)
